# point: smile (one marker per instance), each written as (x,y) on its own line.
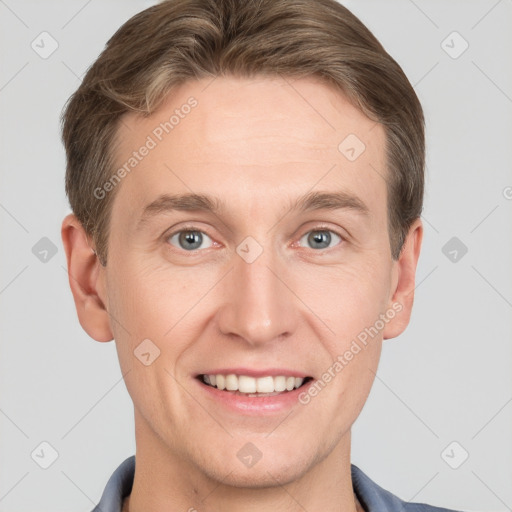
(254,386)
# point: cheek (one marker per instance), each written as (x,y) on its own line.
(349,301)
(150,299)
(148,307)
(357,380)
(154,302)
(346,299)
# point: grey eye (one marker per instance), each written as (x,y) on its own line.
(320,239)
(189,240)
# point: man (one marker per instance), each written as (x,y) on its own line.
(246,180)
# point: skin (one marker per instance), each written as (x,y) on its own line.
(257,144)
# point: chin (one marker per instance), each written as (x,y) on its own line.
(264,474)
(270,465)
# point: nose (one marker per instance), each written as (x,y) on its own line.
(259,306)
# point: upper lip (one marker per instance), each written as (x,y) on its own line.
(274,372)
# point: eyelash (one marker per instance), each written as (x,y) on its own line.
(188,229)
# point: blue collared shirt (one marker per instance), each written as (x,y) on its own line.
(372,497)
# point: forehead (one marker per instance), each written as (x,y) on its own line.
(251,137)
(260,108)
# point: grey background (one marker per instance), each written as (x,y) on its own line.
(447,378)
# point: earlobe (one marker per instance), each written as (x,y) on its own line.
(84,273)
(403,291)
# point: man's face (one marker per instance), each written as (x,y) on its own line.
(257,287)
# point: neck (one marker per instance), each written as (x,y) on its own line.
(165,482)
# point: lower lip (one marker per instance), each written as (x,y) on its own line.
(254,405)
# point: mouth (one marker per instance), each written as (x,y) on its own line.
(246,385)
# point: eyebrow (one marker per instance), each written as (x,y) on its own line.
(312,201)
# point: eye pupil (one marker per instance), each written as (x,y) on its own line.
(190,239)
(320,237)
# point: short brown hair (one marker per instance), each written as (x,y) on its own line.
(180,40)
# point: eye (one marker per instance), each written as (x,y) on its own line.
(321,238)
(189,240)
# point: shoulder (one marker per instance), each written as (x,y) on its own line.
(118,487)
(376,499)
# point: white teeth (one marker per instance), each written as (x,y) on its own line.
(231,382)
(264,385)
(251,385)
(246,384)
(220,381)
(279,383)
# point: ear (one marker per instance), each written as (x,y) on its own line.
(404,273)
(86,276)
